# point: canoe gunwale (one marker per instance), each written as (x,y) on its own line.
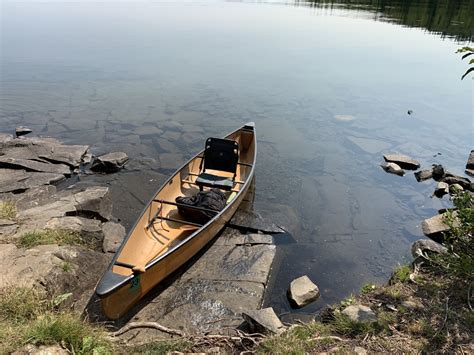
(121,280)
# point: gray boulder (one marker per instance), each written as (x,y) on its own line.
(393,168)
(263,321)
(94,200)
(303,291)
(359,313)
(434,225)
(422,247)
(32,165)
(110,163)
(114,233)
(21,131)
(441,189)
(403,161)
(423,175)
(13,180)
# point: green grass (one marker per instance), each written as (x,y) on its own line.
(67,266)
(26,317)
(50,236)
(8,210)
(343,325)
(368,288)
(401,274)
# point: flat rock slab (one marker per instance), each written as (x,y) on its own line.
(253,221)
(434,225)
(8,162)
(12,180)
(226,280)
(403,161)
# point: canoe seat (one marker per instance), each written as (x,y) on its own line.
(219,155)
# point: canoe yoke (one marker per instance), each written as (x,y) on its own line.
(219,155)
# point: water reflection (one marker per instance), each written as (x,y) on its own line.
(448,18)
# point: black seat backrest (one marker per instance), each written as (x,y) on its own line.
(221,154)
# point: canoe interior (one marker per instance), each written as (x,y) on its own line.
(148,240)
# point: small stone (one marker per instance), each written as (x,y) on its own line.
(441,189)
(424,246)
(114,233)
(455,189)
(360,350)
(423,175)
(469,172)
(359,313)
(110,162)
(451,179)
(438,172)
(263,321)
(22,130)
(470,161)
(393,168)
(403,161)
(303,291)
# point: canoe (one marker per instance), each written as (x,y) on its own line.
(162,239)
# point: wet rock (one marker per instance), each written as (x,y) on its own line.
(403,161)
(423,175)
(470,161)
(172,126)
(263,321)
(167,146)
(110,162)
(455,189)
(147,130)
(359,313)
(438,172)
(451,179)
(253,221)
(427,246)
(441,189)
(114,233)
(393,168)
(12,180)
(303,291)
(21,131)
(171,160)
(434,225)
(14,163)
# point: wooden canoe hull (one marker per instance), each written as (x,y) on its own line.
(120,301)
(146,256)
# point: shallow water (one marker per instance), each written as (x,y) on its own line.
(328,84)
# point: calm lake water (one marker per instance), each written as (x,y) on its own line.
(328,84)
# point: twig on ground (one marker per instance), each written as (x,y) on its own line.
(332,337)
(153,325)
(469,296)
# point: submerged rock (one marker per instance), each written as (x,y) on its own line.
(21,131)
(263,321)
(393,168)
(110,162)
(303,291)
(403,161)
(359,313)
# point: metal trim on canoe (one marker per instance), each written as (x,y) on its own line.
(111,281)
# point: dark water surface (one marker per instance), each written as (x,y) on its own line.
(328,85)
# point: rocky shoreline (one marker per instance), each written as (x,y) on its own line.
(43,197)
